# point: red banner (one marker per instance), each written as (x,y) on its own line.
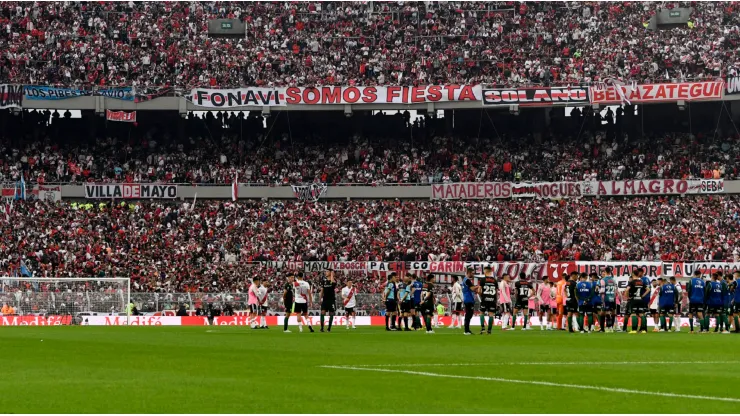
(33,320)
(125,116)
(655,93)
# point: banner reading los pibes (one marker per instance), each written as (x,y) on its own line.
(280,97)
(560,190)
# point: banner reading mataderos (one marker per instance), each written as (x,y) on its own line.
(498,190)
(11,96)
(276,97)
(130,191)
(653,187)
(36,92)
(544,96)
(655,93)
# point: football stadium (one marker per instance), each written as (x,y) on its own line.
(369,207)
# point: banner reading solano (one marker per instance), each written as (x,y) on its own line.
(35,92)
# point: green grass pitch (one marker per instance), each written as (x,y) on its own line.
(239,370)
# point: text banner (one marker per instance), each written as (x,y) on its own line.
(11,96)
(35,92)
(130,191)
(277,97)
(535,96)
(656,93)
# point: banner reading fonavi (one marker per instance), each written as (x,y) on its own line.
(279,97)
(560,190)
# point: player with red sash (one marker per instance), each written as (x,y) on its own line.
(349,301)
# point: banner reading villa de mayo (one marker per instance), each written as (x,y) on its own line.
(280,97)
(130,191)
(560,190)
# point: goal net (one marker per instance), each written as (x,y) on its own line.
(64,301)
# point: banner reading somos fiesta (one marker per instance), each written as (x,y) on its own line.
(559,190)
(279,97)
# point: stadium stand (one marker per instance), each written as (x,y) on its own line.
(143,44)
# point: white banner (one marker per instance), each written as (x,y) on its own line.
(130,191)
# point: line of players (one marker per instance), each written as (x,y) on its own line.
(575,301)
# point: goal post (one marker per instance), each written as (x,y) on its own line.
(70,299)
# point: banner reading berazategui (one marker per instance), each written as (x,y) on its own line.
(278,97)
(559,190)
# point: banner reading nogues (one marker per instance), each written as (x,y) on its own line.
(278,97)
(654,93)
(130,191)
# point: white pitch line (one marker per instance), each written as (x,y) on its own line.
(540,383)
(545,363)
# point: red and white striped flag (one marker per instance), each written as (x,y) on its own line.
(235,188)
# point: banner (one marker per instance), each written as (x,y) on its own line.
(130,191)
(549,190)
(35,92)
(278,97)
(123,93)
(47,193)
(215,98)
(653,187)
(535,96)
(310,193)
(732,86)
(150,93)
(34,320)
(655,93)
(125,116)
(559,190)
(11,96)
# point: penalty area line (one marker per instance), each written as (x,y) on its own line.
(538,383)
(545,363)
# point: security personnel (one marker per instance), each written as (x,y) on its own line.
(468,298)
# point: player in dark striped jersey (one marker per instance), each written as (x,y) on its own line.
(521,299)
(487,293)
(427,302)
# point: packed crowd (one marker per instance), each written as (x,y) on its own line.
(372,43)
(167,247)
(199,160)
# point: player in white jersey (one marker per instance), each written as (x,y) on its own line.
(349,299)
(263,289)
(653,304)
(457,301)
(253,295)
(504,300)
(679,302)
(302,301)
